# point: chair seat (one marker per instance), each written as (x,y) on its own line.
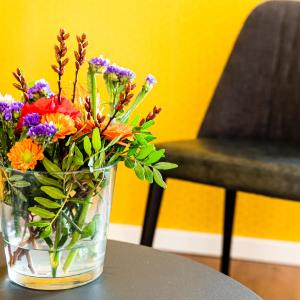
(267,168)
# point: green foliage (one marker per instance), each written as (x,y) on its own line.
(39,224)
(148,174)
(139,170)
(21,184)
(43,213)
(46,232)
(129,163)
(46,202)
(89,230)
(165,166)
(52,168)
(53,192)
(96,139)
(158,178)
(87,145)
(155,156)
(15,177)
(44,180)
(145,151)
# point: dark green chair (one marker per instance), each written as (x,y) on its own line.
(250,138)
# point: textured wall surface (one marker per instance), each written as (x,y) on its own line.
(185,44)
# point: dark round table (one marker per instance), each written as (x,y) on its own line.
(139,273)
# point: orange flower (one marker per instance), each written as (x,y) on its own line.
(25,154)
(64,124)
(116,130)
(84,127)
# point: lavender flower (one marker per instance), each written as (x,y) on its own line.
(120,72)
(7,114)
(99,64)
(47,130)
(40,89)
(99,61)
(7,109)
(3,106)
(31,120)
(150,79)
(16,106)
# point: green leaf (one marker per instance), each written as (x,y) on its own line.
(52,168)
(53,192)
(46,202)
(135,120)
(145,151)
(96,140)
(147,124)
(67,163)
(148,174)
(165,166)
(19,194)
(21,184)
(38,223)
(78,159)
(46,180)
(154,156)
(79,201)
(132,151)
(89,229)
(149,137)
(87,145)
(41,212)
(15,177)
(46,232)
(140,139)
(129,163)
(139,170)
(159,179)
(113,142)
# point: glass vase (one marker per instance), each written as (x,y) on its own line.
(55,226)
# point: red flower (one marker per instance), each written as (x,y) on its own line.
(50,105)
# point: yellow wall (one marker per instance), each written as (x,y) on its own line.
(185,43)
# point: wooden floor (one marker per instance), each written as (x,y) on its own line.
(270,281)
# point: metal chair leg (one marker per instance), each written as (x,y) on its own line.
(151,215)
(230,199)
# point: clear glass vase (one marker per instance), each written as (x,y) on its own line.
(55,226)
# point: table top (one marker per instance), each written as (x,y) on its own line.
(135,272)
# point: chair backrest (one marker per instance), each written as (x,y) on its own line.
(258,95)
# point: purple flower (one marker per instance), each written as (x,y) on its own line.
(41,88)
(3,106)
(31,120)
(47,130)
(120,72)
(8,108)
(150,79)
(8,114)
(99,62)
(16,106)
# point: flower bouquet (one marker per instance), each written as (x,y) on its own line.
(58,156)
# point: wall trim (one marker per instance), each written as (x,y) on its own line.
(181,241)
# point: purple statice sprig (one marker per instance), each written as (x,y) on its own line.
(150,79)
(33,119)
(47,130)
(40,89)
(99,64)
(8,109)
(119,72)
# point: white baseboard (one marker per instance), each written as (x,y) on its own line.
(274,251)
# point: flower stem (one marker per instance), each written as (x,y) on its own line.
(92,85)
(76,236)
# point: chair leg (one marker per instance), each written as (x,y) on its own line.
(230,199)
(151,215)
